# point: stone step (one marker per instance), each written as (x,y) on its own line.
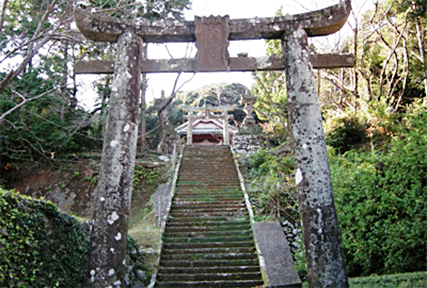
(208,194)
(192,201)
(189,198)
(206,203)
(207,220)
(188,214)
(210,189)
(210,276)
(201,194)
(216,166)
(211,284)
(207,270)
(199,205)
(208,174)
(207,161)
(217,185)
(208,257)
(209,263)
(194,179)
(230,244)
(210,250)
(207,228)
(213,184)
(208,240)
(197,209)
(219,170)
(225,224)
(203,234)
(241,238)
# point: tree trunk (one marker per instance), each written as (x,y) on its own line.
(64,82)
(3,13)
(142,120)
(107,249)
(420,38)
(103,105)
(324,255)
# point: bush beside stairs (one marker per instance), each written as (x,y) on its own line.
(208,241)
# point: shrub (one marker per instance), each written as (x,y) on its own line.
(381,198)
(272,189)
(346,134)
(413,280)
(42,247)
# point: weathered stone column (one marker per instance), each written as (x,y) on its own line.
(225,128)
(107,250)
(323,250)
(190,128)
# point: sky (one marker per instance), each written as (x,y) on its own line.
(235,9)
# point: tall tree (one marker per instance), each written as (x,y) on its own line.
(270,91)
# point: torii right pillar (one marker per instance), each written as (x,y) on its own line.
(322,240)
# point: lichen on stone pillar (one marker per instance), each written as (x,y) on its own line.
(107,249)
(324,255)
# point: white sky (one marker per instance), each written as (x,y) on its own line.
(235,9)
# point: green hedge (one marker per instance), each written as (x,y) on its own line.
(42,247)
(406,280)
(381,200)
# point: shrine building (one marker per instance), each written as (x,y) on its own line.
(207,132)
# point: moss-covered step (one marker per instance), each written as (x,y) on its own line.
(211,284)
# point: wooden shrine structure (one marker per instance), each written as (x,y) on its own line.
(324,256)
(216,112)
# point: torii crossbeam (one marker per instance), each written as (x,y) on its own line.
(324,256)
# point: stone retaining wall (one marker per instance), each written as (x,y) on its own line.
(248,144)
(293,235)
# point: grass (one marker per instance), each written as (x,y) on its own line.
(403,280)
(146,232)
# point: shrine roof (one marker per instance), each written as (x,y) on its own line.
(205,126)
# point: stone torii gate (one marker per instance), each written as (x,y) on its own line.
(224,116)
(324,256)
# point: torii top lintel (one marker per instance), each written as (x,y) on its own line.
(322,22)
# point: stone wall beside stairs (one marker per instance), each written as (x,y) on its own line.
(293,235)
(248,144)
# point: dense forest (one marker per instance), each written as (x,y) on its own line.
(374,115)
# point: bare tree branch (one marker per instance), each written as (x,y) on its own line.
(25,140)
(175,91)
(3,13)
(276,110)
(31,50)
(22,103)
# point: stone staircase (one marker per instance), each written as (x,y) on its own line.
(208,240)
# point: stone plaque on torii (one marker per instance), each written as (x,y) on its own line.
(324,256)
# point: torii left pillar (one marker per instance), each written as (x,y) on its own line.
(107,250)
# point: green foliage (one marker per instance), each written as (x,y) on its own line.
(271,105)
(299,259)
(403,280)
(42,247)
(381,198)
(412,280)
(272,188)
(346,133)
(144,174)
(37,129)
